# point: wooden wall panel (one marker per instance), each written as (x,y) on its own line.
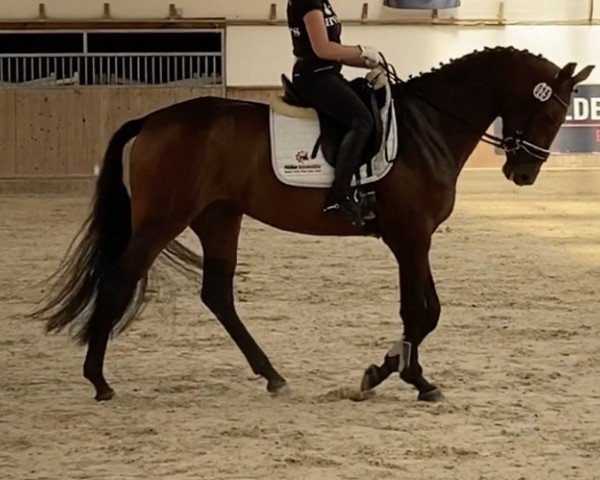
(35,134)
(253,94)
(49,133)
(64,132)
(8,140)
(71,134)
(95,126)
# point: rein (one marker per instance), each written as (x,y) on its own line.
(510,145)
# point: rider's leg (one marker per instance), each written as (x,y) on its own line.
(331,94)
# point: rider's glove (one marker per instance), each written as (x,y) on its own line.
(371,56)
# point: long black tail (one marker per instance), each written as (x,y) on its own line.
(97,246)
(100,241)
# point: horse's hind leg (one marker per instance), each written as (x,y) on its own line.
(218,229)
(115,293)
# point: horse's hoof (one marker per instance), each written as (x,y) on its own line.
(278,387)
(105,395)
(432,396)
(369,380)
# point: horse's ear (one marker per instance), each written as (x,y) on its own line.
(583,75)
(567,72)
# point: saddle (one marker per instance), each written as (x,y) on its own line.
(332,132)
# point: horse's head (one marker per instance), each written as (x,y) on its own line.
(531,124)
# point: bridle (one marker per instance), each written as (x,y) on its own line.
(510,145)
(516,143)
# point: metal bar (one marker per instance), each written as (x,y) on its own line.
(109,69)
(223,63)
(146,79)
(117,54)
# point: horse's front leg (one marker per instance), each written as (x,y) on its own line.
(420,312)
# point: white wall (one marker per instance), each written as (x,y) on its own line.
(258,55)
(515,10)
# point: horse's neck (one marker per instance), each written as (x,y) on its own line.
(463,102)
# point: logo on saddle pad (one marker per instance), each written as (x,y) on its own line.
(302,157)
(304,165)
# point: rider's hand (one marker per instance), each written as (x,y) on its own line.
(371,56)
(378,78)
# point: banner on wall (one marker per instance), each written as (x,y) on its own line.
(422,4)
(581,131)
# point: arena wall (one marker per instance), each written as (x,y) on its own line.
(256,55)
(64,132)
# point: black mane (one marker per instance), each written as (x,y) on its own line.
(461,61)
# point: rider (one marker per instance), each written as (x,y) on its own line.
(320,55)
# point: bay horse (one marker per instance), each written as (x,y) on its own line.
(205,163)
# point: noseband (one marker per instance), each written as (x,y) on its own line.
(515,143)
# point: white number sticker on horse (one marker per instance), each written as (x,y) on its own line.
(543,92)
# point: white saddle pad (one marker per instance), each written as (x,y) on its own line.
(292,143)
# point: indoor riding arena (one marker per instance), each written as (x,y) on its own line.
(516,350)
